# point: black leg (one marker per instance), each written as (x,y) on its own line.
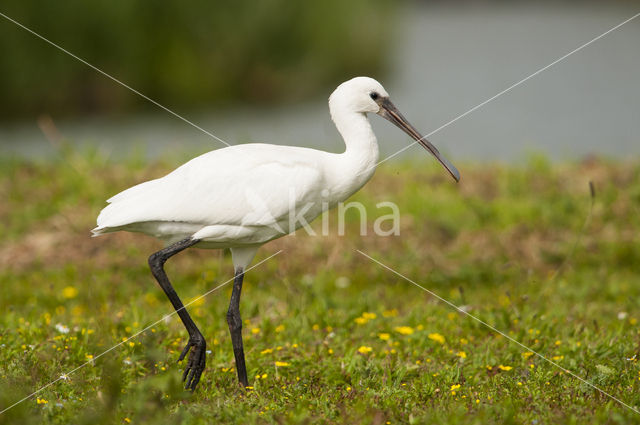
(197,359)
(235,327)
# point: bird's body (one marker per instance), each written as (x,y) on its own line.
(238,196)
(243,196)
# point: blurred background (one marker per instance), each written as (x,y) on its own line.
(262,72)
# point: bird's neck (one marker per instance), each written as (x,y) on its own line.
(361,155)
(361,143)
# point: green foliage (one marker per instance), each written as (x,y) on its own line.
(184,54)
(329,335)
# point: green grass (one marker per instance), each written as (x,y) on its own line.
(520,246)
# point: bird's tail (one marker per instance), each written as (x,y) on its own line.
(98,231)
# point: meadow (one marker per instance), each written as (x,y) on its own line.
(330,336)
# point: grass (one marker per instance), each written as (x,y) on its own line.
(329,335)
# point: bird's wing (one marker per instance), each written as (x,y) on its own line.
(242,185)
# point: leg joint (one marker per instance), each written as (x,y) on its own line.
(198,339)
(156,260)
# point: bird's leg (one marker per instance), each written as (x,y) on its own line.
(235,327)
(197,359)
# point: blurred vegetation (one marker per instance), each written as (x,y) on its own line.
(184,54)
(523,247)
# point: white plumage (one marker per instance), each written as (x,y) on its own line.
(242,190)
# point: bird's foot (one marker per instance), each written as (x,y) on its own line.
(196,363)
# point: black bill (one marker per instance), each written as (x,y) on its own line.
(390,112)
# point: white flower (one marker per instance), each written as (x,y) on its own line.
(62,328)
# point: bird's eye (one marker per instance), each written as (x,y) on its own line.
(374,95)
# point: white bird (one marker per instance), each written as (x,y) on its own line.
(243,196)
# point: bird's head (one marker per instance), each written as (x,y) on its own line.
(359,94)
(363,95)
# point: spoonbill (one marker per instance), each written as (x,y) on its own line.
(241,197)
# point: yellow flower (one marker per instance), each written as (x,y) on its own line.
(70,292)
(558,342)
(41,401)
(279,328)
(404,330)
(127,420)
(527,354)
(360,320)
(454,387)
(282,364)
(384,336)
(316,327)
(464,341)
(390,313)
(330,351)
(196,301)
(255,331)
(364,349)
(264,376)
(369,316)
(436,337)
(266,351)
(557,358)
(462,354)
(505,368)
(89,356)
